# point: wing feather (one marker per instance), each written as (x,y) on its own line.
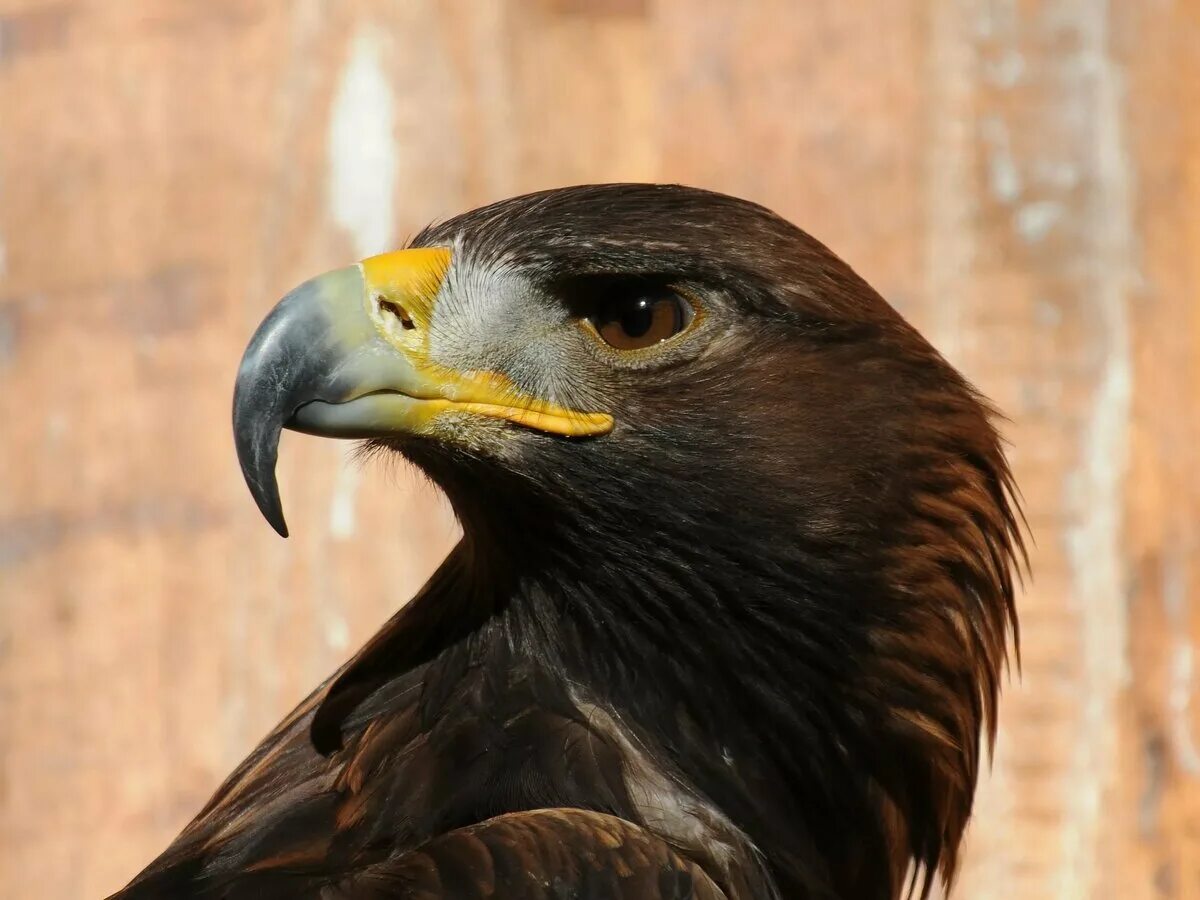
(548,854)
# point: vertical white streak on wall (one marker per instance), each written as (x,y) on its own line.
(362,149)
(362,184)
(1096,486)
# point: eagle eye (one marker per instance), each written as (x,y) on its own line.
(641,318)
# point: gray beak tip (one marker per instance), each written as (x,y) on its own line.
(256,436)
(279,525)
(274,517)
(271,507)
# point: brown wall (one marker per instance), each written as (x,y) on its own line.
(1021,178)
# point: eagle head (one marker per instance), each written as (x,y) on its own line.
(706,471)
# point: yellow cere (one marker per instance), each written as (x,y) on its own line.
(411,278)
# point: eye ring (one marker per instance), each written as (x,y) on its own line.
(641,320)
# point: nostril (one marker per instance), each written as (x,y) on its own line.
(395,309)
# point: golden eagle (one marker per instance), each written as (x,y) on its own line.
(733,598)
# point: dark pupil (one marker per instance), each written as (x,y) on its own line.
(637,317)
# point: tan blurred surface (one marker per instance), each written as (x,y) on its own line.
(1020,178)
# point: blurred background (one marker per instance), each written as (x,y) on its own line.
(1021,178)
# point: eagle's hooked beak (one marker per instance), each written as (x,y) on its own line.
(347,355)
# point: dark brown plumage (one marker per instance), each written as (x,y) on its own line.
(743,646)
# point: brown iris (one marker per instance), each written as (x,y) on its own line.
(642,319)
